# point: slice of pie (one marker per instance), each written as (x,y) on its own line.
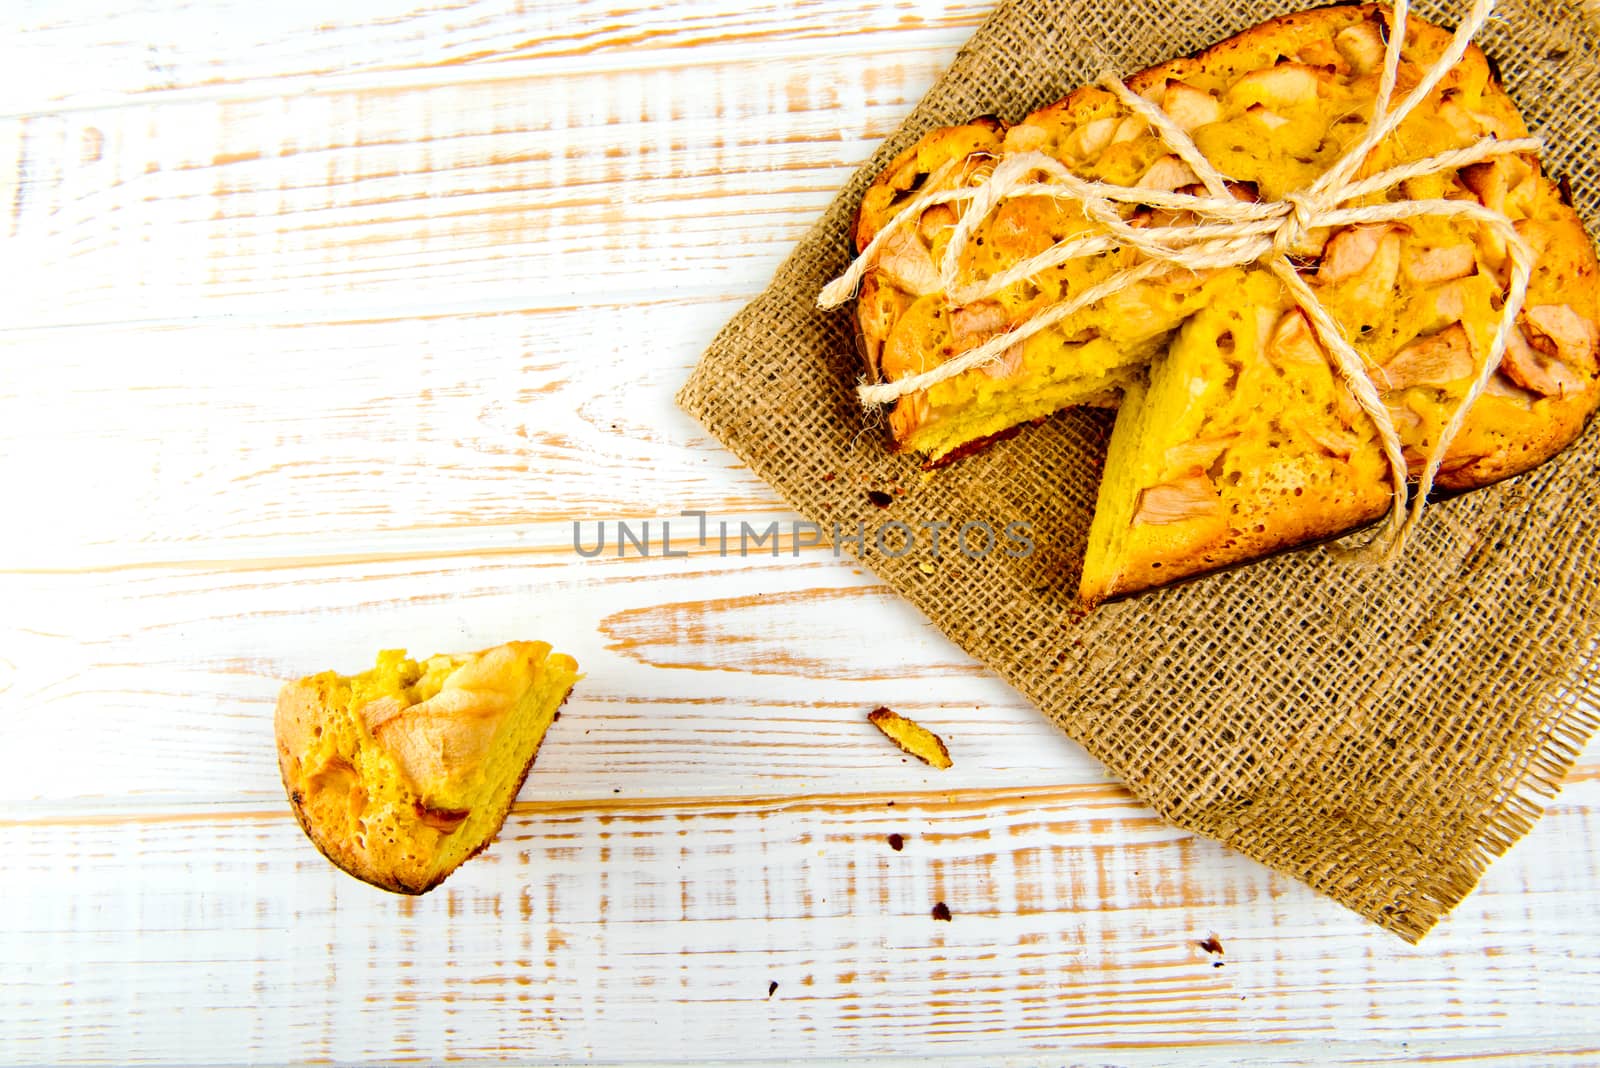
(1235,449)
(1234,439)
(401,773)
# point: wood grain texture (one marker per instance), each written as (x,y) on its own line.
(75,56)
(491,430)
(686,670)
(495,192)
(1076,918)
(321,328)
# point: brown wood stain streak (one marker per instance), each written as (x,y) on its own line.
(1526,1055)
(774,23)
(548,213)
(481,161)
(690,41)
(500,86)
(226,565)
(652,809)
(683,628)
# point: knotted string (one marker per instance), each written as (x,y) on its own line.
(1225,232)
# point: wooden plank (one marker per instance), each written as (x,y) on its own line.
(694,685)
(622,932)
(406,434)
(81,57)
(541,190)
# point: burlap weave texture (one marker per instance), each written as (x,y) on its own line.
(1381,735)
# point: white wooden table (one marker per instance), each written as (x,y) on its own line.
(320,326)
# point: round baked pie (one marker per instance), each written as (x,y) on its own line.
(1234,437)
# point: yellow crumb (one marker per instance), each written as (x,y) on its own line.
(911,737)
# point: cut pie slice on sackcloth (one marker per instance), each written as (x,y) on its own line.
(1381,735)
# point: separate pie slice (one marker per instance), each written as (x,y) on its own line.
(1230,453)
(403,772)
(1244,443)
(1419,299)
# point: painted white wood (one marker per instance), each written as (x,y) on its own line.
(319,328)
(78,55)
(656,931)
(545,190)
(695,686)
(406,434)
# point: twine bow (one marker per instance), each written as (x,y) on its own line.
(1226,232)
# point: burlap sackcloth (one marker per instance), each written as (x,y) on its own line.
(1381,735)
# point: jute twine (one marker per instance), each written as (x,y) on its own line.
(1226,232)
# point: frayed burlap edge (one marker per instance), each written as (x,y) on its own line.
(1383,748)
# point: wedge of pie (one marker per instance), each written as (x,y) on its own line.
(401,773)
